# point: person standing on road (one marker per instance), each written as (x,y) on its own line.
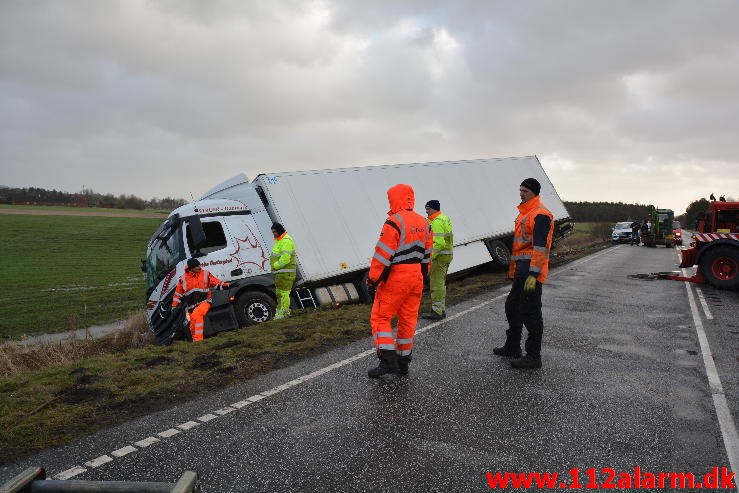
(284,267)
(193,288)
(529,265)
(441,257)
(401,261)
(635,226)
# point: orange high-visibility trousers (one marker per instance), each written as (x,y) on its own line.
(399,295)
(197,321)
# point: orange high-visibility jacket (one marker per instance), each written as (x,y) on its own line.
(406,236)
(194,288)
(532,241)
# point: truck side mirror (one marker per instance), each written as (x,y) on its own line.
(197,232)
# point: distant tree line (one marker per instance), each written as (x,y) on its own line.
(609,212)
(88,198)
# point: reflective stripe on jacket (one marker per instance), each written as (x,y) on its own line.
(441,226)
(194,288)
(405,238)
(530,253)
(283,255)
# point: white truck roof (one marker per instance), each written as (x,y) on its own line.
(335,215)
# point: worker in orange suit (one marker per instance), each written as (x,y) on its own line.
(401,261)
(193,288)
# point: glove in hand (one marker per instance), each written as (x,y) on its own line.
(530,285)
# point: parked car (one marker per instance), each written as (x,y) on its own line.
(621,232)
(677,232)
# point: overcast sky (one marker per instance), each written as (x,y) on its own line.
(634,101)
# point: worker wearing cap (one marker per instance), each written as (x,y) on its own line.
(401,261)
(441,257)
(284,267)
(193,288)
(529,265)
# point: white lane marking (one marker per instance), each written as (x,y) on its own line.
(305,378)
(709,316)
(103,459)
(70,473)
(723,413)
(123,451)
(146,442)
(168,433)
(188,425)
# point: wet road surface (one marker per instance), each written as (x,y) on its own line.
(624,384)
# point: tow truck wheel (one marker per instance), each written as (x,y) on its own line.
(254,307)
(720,267)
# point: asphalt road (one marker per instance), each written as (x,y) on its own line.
(624,385)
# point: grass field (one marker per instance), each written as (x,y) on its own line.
(68,272)
(66,208)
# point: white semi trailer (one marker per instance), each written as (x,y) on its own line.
(334,216)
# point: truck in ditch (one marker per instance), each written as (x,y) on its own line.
(334,216)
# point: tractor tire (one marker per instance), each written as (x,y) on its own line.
(500,253)
(720,267)
(254,307)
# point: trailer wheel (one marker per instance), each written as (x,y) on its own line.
(254,307)
(500,253)
(720,267)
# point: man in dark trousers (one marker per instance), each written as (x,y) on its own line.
(635,226)
(529,265)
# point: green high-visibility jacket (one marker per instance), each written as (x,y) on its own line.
(441,226)
(283,255)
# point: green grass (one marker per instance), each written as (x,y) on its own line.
(68,272)
(68,208)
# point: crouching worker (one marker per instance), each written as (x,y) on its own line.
(193,289)
(401,260)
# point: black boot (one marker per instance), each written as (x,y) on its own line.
(526,363)
(432,315)
(388,364)
(403,362)
(507,351)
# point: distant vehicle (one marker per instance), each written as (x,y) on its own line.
(621,232)
(661,230)
(677,232)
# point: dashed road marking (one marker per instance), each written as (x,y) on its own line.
(207,417)
(103,459)
(189,425)
(169,433)
(70,473)
(146,442)
(121,452)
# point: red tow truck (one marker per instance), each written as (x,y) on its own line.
(715,247)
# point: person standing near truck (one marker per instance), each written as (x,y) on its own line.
(635,226)
(284,268)
(441,257)
(529,265)
(401,261)
(193,288)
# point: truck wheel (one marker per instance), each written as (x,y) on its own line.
(500,253)
(254,307)
(720,267)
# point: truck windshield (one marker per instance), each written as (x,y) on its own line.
(165,251)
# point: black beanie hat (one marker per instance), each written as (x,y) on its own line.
(278,227)
(434,204)
(532,184)
(192,263)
